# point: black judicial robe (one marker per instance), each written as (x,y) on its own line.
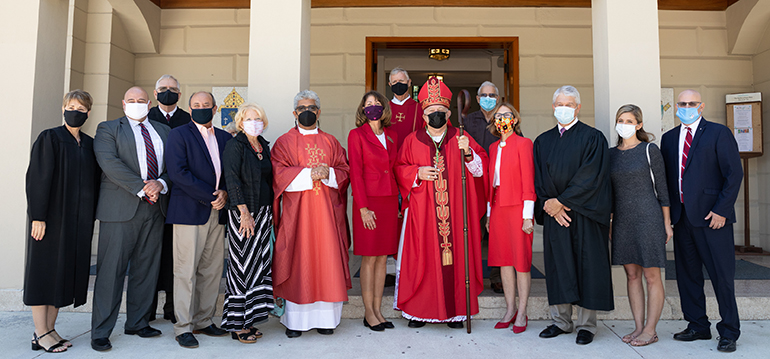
(179,118)
(62,189)
(575,169)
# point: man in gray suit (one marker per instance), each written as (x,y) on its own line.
(131,211)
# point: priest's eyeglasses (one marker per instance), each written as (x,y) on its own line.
(302,109)
(689,104)
(503,115)
(164,89)
(490,95)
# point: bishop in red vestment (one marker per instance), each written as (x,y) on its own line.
(310,263)
(431,267)
(406,112)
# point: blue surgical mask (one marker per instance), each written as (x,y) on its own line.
(488,103)
(687,115)
(564,114)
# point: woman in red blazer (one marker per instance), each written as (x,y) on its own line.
(510,212)
(372,151)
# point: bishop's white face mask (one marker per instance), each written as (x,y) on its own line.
(564,114)
(137,111)
(625,130)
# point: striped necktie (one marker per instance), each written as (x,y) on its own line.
(152,161)
(685,152)
(561,131)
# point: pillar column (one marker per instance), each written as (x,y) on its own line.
(279,59)
(626,54)
(35,38)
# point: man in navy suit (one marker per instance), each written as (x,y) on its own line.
(194,162)
(703,170)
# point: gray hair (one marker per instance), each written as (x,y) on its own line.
(569,91)
(307,95)
(167,76)
(487,83)
(398,70)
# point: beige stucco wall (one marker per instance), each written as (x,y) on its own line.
(759,188)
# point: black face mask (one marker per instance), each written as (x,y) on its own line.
(168,98)
(399,88)
(437,119)
(307,118)
(202,116)
(75,118)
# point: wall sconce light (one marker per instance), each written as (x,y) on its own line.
(438,54)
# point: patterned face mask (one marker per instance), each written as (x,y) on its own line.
(505,122)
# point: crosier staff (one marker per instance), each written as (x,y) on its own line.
(463,103)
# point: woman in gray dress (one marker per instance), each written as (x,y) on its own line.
(641,225)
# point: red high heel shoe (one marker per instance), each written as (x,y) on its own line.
(505,325)
(517,330)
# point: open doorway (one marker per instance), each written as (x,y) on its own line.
(472,60)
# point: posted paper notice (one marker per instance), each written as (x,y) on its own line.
(745,139)
(742,116)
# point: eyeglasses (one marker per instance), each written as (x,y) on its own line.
(503,115)
(164,89)
(491,95)
(306,108)
(689,104)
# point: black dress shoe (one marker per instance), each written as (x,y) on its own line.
(455,325)
(101,344)
(689,335)
(146,332)
(497,287)
(211,331)
(170,317)
(293,333)
(416,324)
(376,328)
(187,340)
(323,331)
(584,337)
(388,325)
(726,345)
(551,331)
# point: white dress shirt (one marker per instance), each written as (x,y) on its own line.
(141,151)
(304,180)
(399,102)
(381,137)
(566,128)
(170,114)
(682,135)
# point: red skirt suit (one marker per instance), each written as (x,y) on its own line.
(374,187)
(508,244)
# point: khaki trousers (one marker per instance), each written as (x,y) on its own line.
(198,261)
(561,315)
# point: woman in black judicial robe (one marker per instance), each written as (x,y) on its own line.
(62,190)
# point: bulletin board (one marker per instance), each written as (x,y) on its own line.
(744,118)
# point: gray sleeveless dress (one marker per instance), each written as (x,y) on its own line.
(638,232)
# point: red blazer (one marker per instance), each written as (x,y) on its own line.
(371,165)
(517,172)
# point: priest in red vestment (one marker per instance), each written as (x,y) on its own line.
(406,112)
(431,266)
(310,260)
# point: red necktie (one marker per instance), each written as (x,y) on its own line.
(152,161)
(685,152)
(168,118)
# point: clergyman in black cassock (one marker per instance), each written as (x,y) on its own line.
(572,166)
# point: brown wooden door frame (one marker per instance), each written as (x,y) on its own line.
(509,44)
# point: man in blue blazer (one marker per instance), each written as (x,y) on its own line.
(194,161)
(703,171)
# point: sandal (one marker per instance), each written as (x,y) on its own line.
(255,332)
(628,338)
(62,341)
(246,338)
(639,343)
(52,349)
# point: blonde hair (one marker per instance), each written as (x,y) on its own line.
(81,96)
(246,107)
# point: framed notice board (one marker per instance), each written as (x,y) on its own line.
(744,118)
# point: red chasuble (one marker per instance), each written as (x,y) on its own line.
(310,261)
(427,289)
(405,119)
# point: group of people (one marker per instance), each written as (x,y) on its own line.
(169,189)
